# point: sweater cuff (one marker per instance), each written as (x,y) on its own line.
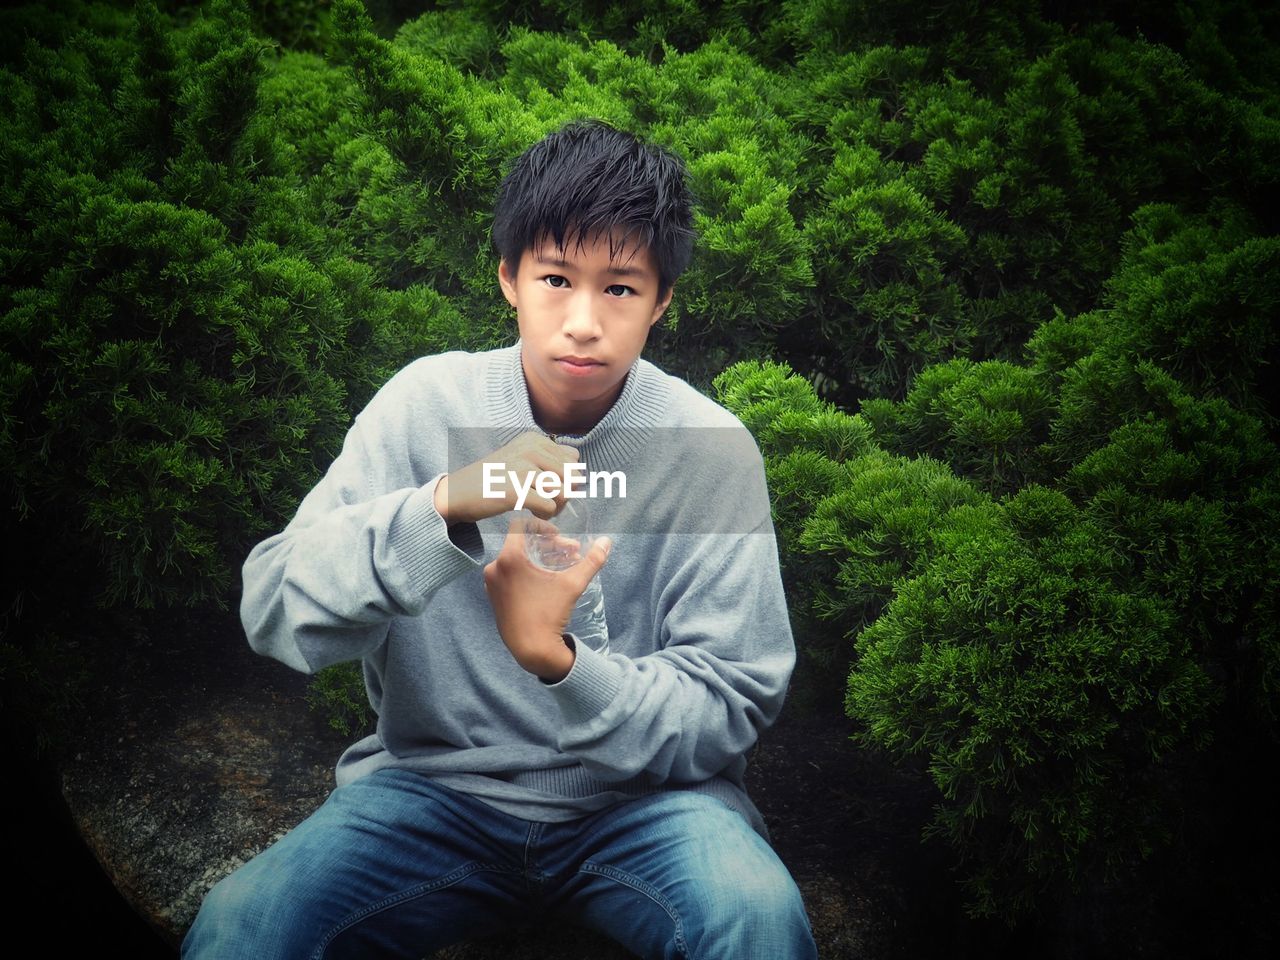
(431,552)
(591,684)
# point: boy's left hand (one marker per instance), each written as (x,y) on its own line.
(532,606)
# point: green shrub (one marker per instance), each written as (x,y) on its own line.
(296,24)
(852,520)
(1200,298)
(868,208)
(1046,697)
(1169,490)
(338,692)
(883,249)
(1059,659)
(174,381)
(168,384)
(988,421)
(454,37)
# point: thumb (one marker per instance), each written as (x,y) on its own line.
(597,555)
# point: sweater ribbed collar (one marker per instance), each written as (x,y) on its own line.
(612,441)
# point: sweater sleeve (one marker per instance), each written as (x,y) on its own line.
(687,711)
(325,589)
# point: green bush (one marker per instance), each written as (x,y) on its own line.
(851,519)
(1197,295)
(296,24)
(989,421)
(338,692)
(173,384)
(1046,696)
(1060,659)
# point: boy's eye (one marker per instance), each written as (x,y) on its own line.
(619,290)
(557,281)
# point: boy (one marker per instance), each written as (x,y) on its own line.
(515,772)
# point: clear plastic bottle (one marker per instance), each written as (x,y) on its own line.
(559,548)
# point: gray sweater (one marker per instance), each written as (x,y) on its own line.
(700,641)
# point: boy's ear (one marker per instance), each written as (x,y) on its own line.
(507,281)
(661,306)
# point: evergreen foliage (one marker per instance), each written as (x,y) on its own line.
(1054,655)
(1047,695)
(993,285)
(168,364)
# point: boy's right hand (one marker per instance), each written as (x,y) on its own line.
(459,495)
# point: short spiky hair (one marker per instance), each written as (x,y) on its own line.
(588,176)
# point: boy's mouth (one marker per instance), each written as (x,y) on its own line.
(581,363)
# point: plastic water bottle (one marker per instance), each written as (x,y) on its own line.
(560,543)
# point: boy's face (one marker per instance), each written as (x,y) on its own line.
(577,304)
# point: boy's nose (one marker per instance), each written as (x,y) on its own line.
(580,321)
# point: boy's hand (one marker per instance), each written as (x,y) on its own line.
(532,606)
(459,495)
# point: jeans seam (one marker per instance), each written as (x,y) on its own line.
(530,854)
(648,890)
(391,900)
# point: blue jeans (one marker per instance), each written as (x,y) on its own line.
(396,865)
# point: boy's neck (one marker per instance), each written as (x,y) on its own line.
(576,418)
(578,421)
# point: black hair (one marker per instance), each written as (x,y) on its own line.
(587,177)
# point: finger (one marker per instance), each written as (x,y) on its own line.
(567,548)
(529,440)
(544,449)
(541,507)
(541,441)
(596,558)
(566,454)
(535,526)
(582,572)
(551,457)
